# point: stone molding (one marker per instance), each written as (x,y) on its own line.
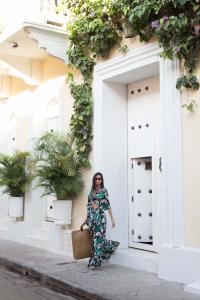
(53,40)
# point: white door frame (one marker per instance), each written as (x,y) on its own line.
(170,207)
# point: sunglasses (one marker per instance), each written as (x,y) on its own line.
(98,178)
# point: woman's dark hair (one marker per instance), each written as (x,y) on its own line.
(93,181)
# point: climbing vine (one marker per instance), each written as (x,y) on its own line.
(96,26)
(81,120)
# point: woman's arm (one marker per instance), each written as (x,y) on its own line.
(111,217)
(109,208)
(86,218)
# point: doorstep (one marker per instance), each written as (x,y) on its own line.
(193,288)
(136,259)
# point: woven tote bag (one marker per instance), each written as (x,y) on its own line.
(81,243)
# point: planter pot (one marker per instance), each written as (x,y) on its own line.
(50,206)
(16,209)
(62,212)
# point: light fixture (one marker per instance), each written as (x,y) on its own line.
(14,44)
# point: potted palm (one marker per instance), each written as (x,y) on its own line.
(59,173)
(14,177)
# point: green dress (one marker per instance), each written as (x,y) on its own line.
(102,248)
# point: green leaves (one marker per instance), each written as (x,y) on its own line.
(189,81)
(92,32)
(190,106)
(58,167)
(178,3)
(177,33)
(15,173)
(123,49)
(97,26)
(81,120)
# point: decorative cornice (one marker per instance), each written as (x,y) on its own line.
(50,38)
(24,61)
(133,59)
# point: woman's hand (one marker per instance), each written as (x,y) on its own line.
(113,223)
(94,206)
(111,217)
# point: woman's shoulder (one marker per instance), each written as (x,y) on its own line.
(104,190)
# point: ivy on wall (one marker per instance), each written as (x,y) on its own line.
(81,120)
(96,26)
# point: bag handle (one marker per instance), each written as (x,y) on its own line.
(81,227)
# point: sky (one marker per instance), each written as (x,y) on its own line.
(7,8)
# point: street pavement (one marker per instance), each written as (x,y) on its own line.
(15,287)
(72,277)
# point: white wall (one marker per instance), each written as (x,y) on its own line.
(29,108)
(110,155)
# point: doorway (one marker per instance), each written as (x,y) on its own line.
(110,143)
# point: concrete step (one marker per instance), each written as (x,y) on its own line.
(136,259)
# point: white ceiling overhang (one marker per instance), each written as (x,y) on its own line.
(22,50)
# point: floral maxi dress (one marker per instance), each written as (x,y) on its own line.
(102,248)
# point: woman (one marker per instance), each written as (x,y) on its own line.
(98,202)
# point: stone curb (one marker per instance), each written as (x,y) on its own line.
(49,281)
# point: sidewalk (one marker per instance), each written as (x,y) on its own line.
(66,275)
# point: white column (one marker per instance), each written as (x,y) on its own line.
(171,207)
(97,143)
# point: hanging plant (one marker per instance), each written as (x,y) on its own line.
(189,82)
(81,120)
(96,26)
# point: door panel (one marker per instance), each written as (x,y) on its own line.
(143,154)
(142,191)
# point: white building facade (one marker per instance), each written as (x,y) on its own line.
(142,139)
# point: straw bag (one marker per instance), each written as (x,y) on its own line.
(81,243)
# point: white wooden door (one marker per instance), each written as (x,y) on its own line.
(142,193)
(144,162)
(49,206)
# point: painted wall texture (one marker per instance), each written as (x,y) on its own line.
(191,167)
(24,115)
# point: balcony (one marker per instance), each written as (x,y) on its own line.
(15,13)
